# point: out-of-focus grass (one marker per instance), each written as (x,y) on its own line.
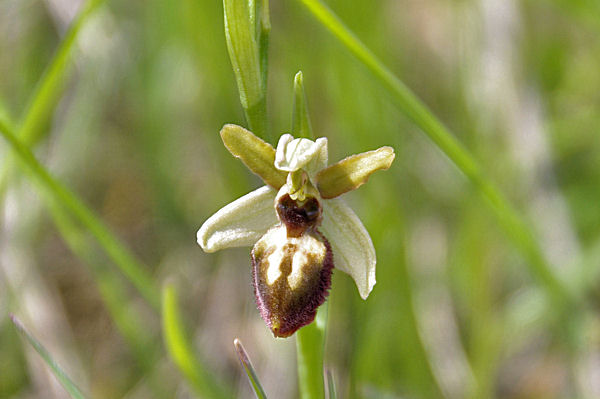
(135,134)
(64,379)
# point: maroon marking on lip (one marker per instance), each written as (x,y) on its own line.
(298,218)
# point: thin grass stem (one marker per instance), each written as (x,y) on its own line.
(259,392)
(48,90)
(331,391)
(58,372)
(132,268)
(518,230)
(110,286)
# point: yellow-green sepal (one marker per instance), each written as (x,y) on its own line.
(352,172)
(256,154)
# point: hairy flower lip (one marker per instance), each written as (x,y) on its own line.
(284,309)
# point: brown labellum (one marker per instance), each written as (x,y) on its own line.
(291,267)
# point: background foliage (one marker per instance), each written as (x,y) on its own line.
(128,120)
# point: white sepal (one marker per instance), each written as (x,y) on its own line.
(240,223)
(294,154)
(353,250)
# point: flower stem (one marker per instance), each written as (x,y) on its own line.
(310,343)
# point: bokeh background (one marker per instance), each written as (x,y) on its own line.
(134,132)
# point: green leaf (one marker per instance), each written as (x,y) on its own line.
(180,349)
(58,372)
(247,30)
(256,154)
(352,172)
(249,369)
(301,126)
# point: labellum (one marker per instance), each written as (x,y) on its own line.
(291,266)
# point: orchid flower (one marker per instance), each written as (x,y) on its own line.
(296,223)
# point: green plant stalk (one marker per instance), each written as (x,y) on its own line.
(518,230)
(58,372)
(48,90)
(310,345)
(133,269)
(180,349)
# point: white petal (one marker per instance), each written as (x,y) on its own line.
(353,250)
(293,154)
(240,223)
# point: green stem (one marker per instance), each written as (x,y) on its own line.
(518,230)
(133,269)
(310,343)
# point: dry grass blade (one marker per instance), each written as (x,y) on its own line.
(247,365)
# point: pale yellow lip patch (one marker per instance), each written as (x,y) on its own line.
(308,252)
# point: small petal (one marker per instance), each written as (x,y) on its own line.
(352,172)
(353,250)
(240,223)
(294,154)
(257,155)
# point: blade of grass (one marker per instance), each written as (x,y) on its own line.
(60,375)
(249,369)
(132,268)
(180,349)
(310,345)
(48,90)
(110,286)
(331,392)
(517,228)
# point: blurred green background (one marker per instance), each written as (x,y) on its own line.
(133,131)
